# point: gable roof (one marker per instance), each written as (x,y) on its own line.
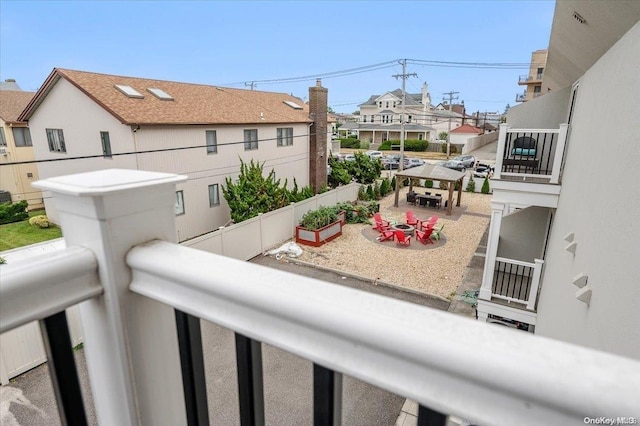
(412,98)
(467,128)
(191,104)
(12,103)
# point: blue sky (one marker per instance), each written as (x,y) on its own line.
(220,43)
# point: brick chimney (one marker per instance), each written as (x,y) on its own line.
(318,138)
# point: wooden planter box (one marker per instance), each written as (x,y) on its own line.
(318,237)
(342,217)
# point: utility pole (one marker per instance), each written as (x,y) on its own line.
(404,77)
(451,99)
(252,84)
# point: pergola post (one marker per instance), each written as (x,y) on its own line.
(452,185)
(459,193)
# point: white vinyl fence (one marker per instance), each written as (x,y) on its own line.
(478,141)
(22,349)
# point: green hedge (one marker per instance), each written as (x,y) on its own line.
(349,143)
(409,145)
(15,212)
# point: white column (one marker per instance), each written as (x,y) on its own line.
(130,341)
(535,284)
(502,138)
(557,157)
(497,210)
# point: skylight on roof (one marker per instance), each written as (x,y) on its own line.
(160,94)
(293,105)
(129,91)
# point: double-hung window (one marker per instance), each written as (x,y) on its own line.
(3,140)
(250,139)
(55,137)
(214,195)
(106,144)
(22,136)
(212,142)
(179,203)
(285,136)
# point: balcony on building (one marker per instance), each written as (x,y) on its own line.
(521,97)
(511,282)
(530,79)
(142,299)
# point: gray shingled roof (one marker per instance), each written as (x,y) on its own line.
(412,98)
(409,127)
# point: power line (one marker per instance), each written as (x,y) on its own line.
(150,151)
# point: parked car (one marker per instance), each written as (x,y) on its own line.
(349,157)
(469,161)
(373,154)
(390,163)
(483,170)
(452,164)
(413,162)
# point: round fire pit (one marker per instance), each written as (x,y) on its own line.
(407,229)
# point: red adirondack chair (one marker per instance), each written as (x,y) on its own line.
(413,220)
(429,224)
(380,223)
(424,236)
(401,238)
(386,235)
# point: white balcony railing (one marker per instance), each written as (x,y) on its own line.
(141,326)
(517,281)
(524,154)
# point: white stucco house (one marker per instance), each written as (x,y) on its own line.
(84,121)
(564,242)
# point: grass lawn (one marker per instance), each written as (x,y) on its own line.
(20,234)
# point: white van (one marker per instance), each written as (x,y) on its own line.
(374,154)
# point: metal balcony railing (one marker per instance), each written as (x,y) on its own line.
(516,281)
(141,325)
(521,97)
(530,154)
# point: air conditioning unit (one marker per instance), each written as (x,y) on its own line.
(3,150)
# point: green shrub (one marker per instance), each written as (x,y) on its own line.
(443,185)
(457,186)
(370,194)
(409,145)
(364,145)
(443,136)
(485,185)
(15,212)
(393,183)
(471,185)
(349,143)
(428,183)
(316,219)
(385,187)
(376,191)
(362,193)
(41,221)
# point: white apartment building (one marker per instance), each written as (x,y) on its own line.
(564,241)
(84,121)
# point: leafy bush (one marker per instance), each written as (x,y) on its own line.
(385,187)
(252,193)
(443,185)
(370,194)
(393,183)
(428,183)
(409,145)
(362,170)
(15,212)
(365,144)
(362,193)
(471,185)
(349,143)
(485,185)
(316,219)
(41,221)
(443,136)
(376,191)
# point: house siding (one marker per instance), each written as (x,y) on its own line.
(607,234)
(82,120)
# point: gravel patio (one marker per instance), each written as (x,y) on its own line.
(433,269)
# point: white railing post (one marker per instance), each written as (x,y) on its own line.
(557,157)
(535,284)
(497,211)
(502,139)
(130,341)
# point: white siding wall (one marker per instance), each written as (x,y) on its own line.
(544,112)
(207,169)
(602,210)
(82,120)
